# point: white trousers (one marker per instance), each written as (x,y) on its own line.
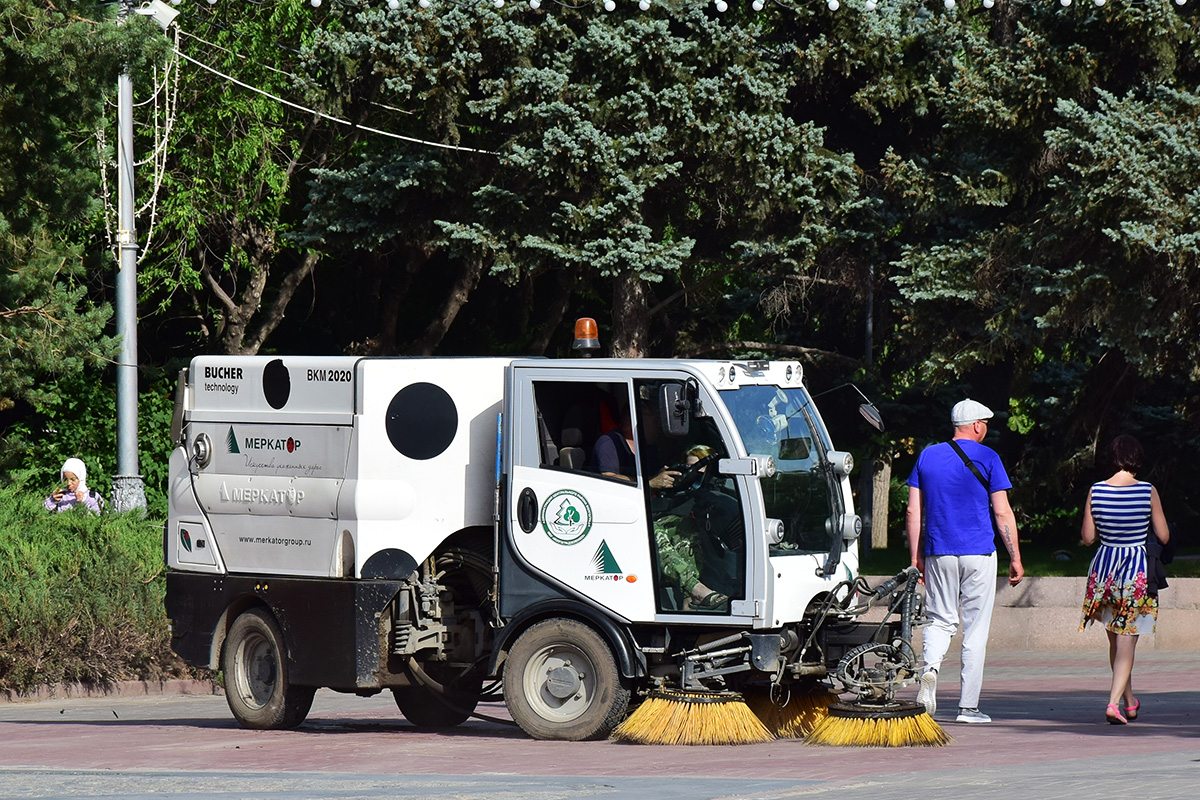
(960,588)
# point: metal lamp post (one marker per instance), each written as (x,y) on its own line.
(128,489)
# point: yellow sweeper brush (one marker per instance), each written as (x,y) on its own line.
(894,724)
(797,715)
(671,716)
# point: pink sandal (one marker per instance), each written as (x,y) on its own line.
(1131,712)
(1113,715)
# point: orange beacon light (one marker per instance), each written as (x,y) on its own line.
(587,337)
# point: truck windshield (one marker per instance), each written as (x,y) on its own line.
(780,423)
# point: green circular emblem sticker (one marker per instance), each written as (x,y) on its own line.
(566,517)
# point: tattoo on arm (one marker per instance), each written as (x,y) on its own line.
(1007,536)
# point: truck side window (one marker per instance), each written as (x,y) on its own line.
(571,416)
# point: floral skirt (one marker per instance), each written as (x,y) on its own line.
(1116,592)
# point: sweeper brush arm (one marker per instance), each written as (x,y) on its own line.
(908,575)
(876,669)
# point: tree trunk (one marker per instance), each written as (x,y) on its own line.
(631,317)
(268,322)
(382,304)
(236,335)
(245,326)
(865,507)
(391,292)
(459,294)
(236,313)
(880,494)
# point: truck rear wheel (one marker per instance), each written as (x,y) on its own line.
(255,664)
(561,682)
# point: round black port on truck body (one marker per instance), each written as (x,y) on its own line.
(277,384)
(422,421)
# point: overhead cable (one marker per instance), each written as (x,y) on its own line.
(330,118)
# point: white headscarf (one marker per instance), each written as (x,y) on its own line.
(75,467)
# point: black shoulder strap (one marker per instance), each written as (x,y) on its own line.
(975,471)
(971,466)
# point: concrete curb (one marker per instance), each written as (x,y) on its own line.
(1044,614)
(75,691)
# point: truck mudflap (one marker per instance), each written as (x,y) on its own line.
(330,627)
(631,661)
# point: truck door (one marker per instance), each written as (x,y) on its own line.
(698,516)
(581,530)
(583,515)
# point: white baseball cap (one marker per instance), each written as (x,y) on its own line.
(967,411)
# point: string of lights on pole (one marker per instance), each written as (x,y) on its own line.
(720,5)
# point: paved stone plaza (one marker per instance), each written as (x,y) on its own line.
(1048,740)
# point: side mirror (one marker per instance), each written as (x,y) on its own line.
(868,410)
(871,414)
(674,409)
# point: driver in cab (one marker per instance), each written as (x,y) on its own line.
(676,533)
(681,550)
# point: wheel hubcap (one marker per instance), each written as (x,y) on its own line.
(258,667)
(560,683)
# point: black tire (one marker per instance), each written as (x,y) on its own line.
(450,703)
(561,682)
(427,707)
(254,660)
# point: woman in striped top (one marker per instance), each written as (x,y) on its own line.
(1121,510)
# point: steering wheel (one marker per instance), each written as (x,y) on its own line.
(694,477)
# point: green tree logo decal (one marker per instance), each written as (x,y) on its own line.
(566,517)
(606,563)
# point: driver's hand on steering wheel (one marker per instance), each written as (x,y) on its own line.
(664,479)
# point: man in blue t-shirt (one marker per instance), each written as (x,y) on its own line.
(957,553)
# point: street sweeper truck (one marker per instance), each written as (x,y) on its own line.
(579,533)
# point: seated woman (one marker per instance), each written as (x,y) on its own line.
(614,456)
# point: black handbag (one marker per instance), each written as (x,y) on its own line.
(1157,555)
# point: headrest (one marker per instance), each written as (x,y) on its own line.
(572,437)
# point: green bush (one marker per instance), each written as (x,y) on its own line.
(81,595)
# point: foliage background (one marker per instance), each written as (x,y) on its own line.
(933,203)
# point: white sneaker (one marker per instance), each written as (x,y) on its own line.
(972,715)
(927,694)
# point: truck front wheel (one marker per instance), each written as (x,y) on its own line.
(561,682)
(255,664)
